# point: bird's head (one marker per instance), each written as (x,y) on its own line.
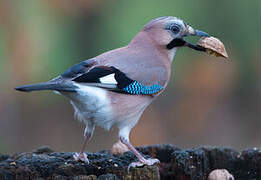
(170,32)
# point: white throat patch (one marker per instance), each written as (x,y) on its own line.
(172,53)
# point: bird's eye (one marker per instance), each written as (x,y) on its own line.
(175,29)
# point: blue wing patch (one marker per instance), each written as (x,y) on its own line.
(138,88)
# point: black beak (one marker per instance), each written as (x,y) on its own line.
(179,42)
(198,33)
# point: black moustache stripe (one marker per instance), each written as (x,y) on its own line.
(175,43)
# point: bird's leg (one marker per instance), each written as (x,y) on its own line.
(142,161)
(81,156)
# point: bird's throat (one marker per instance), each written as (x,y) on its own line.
(171,53)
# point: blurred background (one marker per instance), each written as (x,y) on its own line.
(209,101)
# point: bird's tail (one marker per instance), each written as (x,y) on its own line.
(47,86)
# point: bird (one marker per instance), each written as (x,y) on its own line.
(115,87)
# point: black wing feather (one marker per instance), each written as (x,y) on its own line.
(122,79)
(94,75)
(78,69)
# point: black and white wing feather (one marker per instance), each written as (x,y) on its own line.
(113,79)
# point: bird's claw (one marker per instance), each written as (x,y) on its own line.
(148,162)
(81,157)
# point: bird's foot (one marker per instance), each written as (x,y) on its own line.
(148,162)
(81,157)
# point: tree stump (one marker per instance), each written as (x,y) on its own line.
(176,163)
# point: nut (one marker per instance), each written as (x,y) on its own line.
(119,148)
(220,174)
(213,46)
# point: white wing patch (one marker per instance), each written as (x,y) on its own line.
(109,79)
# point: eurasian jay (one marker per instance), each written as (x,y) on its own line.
(115,87)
